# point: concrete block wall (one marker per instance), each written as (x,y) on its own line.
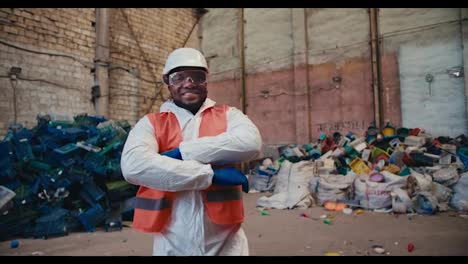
(339,47)
(269,42)
(47,83)
(219,32)
(55,48)
(425,41)
(292,56)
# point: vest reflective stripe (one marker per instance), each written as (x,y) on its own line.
(223,204)
(152,204)
(223,195)
(148,221)
(154,207)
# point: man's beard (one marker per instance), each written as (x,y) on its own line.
(193,107)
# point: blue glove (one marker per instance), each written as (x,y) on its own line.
(230,176)
(173,153)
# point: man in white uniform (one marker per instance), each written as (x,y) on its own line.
(188,169)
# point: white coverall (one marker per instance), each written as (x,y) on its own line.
(190,231)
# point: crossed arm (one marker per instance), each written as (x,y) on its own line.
(142,165)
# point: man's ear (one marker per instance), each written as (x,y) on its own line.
(166,79)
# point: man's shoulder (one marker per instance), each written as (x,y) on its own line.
(226,107)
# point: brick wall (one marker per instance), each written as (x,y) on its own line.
(55,84)
(142,39)
(61,83)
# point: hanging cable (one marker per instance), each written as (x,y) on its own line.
(158,91)
(84,63)
(45,81)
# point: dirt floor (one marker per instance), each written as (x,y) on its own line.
(286,233)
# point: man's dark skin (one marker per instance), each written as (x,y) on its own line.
(187,95)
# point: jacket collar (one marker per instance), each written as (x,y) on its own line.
(170,106)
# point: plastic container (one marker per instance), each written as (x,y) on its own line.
(425,203)
(415,132)
(70,134)
(23,148)
(17,223)
(388,130)
(94,192)
(6,195)
(39,166)
(366,154)
(359,166)
(78,175)
(419,159)
(463,155)
(52,225)
(314,154)
(95,163)
(291,153)
(86,120)
(394,142)
(92,217)
(127,208)
(392,168)
(378,152)
(414,141)
(376,177)
(7,172)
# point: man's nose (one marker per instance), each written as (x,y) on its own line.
(188,82)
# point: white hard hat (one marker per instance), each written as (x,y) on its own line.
(184,57)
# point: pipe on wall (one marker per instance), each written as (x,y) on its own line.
(375,58)
(309,114)
(242,60)
(241,44)
(463,13)
(101,61)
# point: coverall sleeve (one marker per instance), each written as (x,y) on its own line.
(142,164)
(240,142)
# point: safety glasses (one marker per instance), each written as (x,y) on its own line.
(195,76)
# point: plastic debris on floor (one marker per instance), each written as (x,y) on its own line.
(63,176)
(390,170)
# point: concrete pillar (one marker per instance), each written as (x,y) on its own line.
(300,67)
(101,61)
(464,32)
(375,59)
(241,45)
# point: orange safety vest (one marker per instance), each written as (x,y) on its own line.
(223,204)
